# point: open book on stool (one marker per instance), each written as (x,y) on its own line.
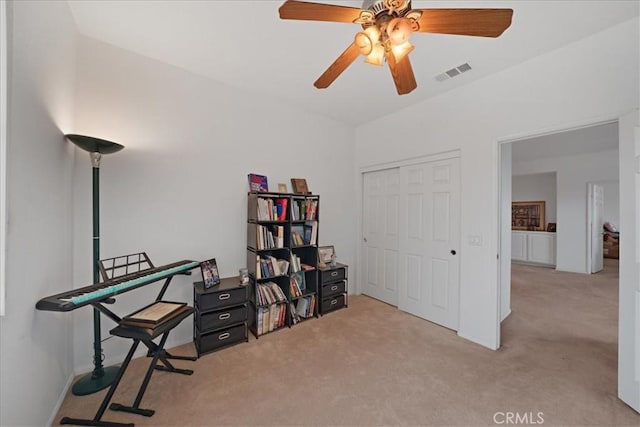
(155,314)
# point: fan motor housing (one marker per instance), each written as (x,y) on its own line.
(380,7)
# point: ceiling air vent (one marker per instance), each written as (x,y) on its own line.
(453,72)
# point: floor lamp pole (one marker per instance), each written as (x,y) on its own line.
(101,377)
(97,339)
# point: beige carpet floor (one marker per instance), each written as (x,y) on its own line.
(372,364)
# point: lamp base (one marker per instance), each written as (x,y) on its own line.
(90,384)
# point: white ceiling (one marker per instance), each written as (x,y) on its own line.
(244,44)
(593,139)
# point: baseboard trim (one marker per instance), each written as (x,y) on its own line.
(56,408)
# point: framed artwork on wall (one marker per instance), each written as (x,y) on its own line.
(528,216)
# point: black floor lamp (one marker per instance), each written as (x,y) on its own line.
(100,378)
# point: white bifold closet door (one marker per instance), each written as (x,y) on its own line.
(412,237)
(380,241)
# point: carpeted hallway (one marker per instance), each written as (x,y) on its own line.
(372,364)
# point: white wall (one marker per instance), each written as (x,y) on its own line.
(178,189)
(573,173)
(537,187)
(629,300)
(558,90)
(36,346)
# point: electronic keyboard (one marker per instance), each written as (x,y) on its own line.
(70,300)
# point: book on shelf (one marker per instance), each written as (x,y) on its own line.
(270,266)
(283,266)
(258,183)
(311,207)
(265,321)
(270,209)
(297,238)
(281,208)
(304,210)
(307,267)
(307,235)
(310,232)
(312,305)
(295,263)
(271,318)
(302,307)
(305,306)
(269,237)
(259,319)
(297,235)
(269,293)
(296,284)
(265,209)
(295,317)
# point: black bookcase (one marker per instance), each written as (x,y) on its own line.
(282,252)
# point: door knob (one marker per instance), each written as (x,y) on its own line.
(453,252)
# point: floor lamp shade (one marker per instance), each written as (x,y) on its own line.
(100,378)
(94,145)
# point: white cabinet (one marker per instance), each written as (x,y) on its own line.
(518,246)
(537,247)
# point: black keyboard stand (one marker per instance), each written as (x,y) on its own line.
(156,351)
(145,336)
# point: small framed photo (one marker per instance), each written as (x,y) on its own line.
(210,275)
(282,188)
(551,227)
(325,254)
(299,186)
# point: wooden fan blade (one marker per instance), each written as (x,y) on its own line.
(339,65)
(402,74)
(465,22)
(292,9)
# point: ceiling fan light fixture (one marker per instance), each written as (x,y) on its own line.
(386,28)
(363,43)
(399,31)
(402,50)
(376,57)
(367,39)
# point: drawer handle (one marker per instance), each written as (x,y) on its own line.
(334,288)
(224,316)
(334,273)
(224,336)
(335,301)
(224,296)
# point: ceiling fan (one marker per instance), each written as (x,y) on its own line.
(386,28)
